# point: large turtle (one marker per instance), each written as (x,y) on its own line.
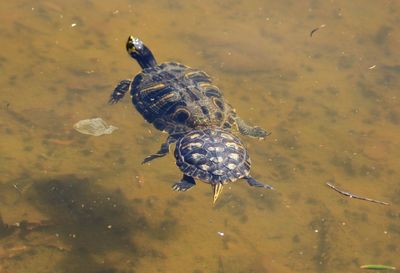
(215,156)
(176,98)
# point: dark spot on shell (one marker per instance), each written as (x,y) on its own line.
(181,115)
(204,110)
(213,93)
(218,115)
(219,103)
(226,125)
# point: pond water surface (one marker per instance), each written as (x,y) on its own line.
(71,202)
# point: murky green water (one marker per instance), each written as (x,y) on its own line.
(86,204)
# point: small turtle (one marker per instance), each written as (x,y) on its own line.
(176,98)
(214,156)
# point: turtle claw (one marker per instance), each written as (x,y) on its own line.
(115,97)
(182,186)
(185,184)
(112,101)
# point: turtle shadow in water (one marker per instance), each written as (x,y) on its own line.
(97,225)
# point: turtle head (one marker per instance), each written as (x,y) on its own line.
(140,52)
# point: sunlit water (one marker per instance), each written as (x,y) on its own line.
(86,204)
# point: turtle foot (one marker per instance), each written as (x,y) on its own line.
(164,150)
(119,91)
(151,157)
(185,184)
(254,183)
(257,132)
(253,131)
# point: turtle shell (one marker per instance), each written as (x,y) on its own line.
(176,98)
(212,155)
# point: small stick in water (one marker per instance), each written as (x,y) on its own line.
(355,196)
(378,267)
(315,29)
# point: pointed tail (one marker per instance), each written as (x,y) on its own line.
(217,189)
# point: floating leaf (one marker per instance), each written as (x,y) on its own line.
(94,127)
(378,267)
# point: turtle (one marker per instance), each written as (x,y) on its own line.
(214,156)
(176,98)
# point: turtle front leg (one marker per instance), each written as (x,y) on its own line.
(254,183)
(119,91)
(247,130)
(163,150)
(186,183)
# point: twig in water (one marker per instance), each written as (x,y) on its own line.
(378,267)
(355,196)
(17,188)
(315,29)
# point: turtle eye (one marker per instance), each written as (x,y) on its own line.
(181,115)
(218,103)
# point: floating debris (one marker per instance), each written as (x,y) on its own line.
(355,196)
(372,67)
(140,180)
(378,267)
(17,188)
(315,29)
(59,141)
(94,127)
(6,104)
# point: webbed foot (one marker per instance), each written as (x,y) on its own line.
(186,183)
(253,131)
(254,183)
(164,150)
(119,91)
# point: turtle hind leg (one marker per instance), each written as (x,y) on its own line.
(186,183)
(247,130)
(164,150)
(254,183)
(119,91)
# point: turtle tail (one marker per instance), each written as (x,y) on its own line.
(217,189)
